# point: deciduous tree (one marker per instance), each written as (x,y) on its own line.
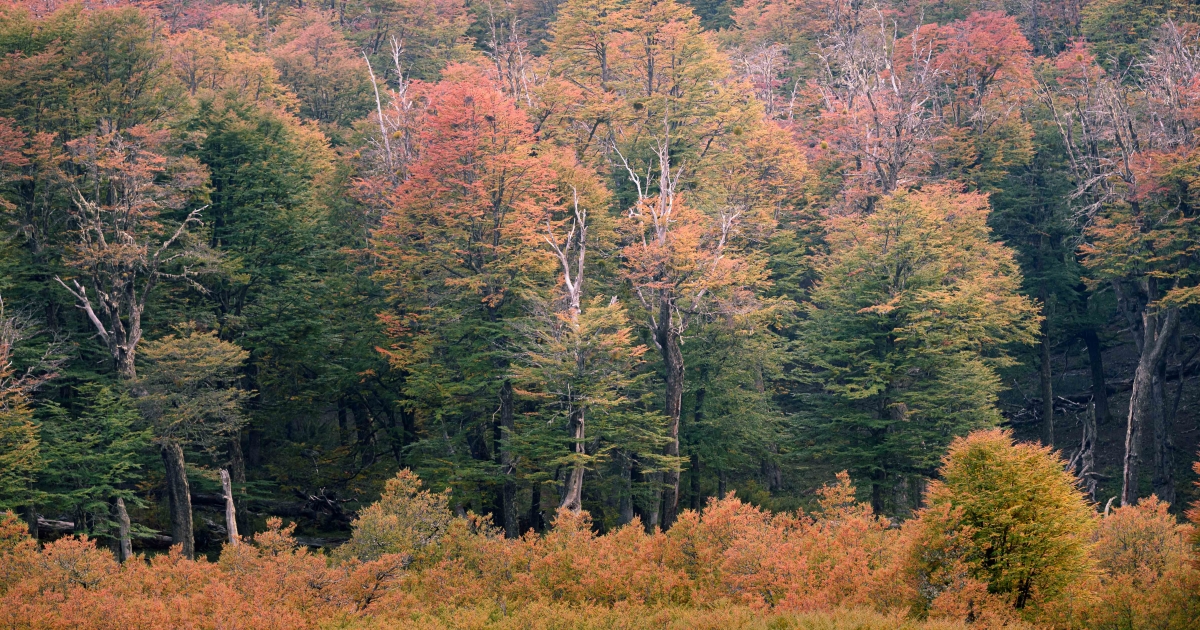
(190,398)
(914,312)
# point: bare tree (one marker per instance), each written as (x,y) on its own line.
(18,436)
(1113,127)
(123,246)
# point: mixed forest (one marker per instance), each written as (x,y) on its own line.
(600,313)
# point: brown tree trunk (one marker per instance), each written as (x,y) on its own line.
(573,497)
(1157,329)
(124,547)
(343,423)
(508,463)
(668,342)
(364,429)
(179,497)
(694,474)
(125,367)
(31,520)
(237,461)
(653,512)
(877,479)
(1083,463)
(1099,387)
(1047,386)
(535,509)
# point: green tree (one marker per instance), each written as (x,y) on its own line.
(904,333)
(190,398)
(1021,524)
(93,455)
(1121,31)
(20,377)
(405,520)
(693,173)
(460,239)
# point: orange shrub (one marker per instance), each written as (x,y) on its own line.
(1147,575)
(732,565)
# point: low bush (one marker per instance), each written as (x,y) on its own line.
(1006,541)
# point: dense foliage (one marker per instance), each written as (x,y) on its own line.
(590,269)
(411,563)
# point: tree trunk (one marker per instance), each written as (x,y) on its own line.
(625,515)
(722,484)
(1164,448)
(573,497)
(1099,387)
(535,509)
(1083,463)
(672,354)
(124,357)
(654,509)
(1047,389)
(694,473)
(230,510)
(31,520)
(364,429)
(1157,329)
(179,497)
(877,479)
(124,547)
(698,418)
(237,462)
(508,463)
(343,423)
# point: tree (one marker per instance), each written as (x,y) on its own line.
(584,370)
(912,316)
(667,109)
(93,457)
(20,457)
(461,235)
(1020,522)
(581,360)
(316,62)
(773,43)
(405,520)
(1129,144)
(191,398)
(875,94)
(123,242)
(1122,30)
(426,35)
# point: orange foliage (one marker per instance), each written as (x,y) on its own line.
(732,552)
(732,565)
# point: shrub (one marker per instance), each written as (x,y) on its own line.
(406,520)
(1003,514)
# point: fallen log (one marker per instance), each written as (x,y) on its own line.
(54,527)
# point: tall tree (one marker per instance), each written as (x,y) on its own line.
(665,106)
(20,457)
(191,399)
(124,243)
(904,333)
(1128,143)
(94,456)
(461,234)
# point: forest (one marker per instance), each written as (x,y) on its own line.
(600,314)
